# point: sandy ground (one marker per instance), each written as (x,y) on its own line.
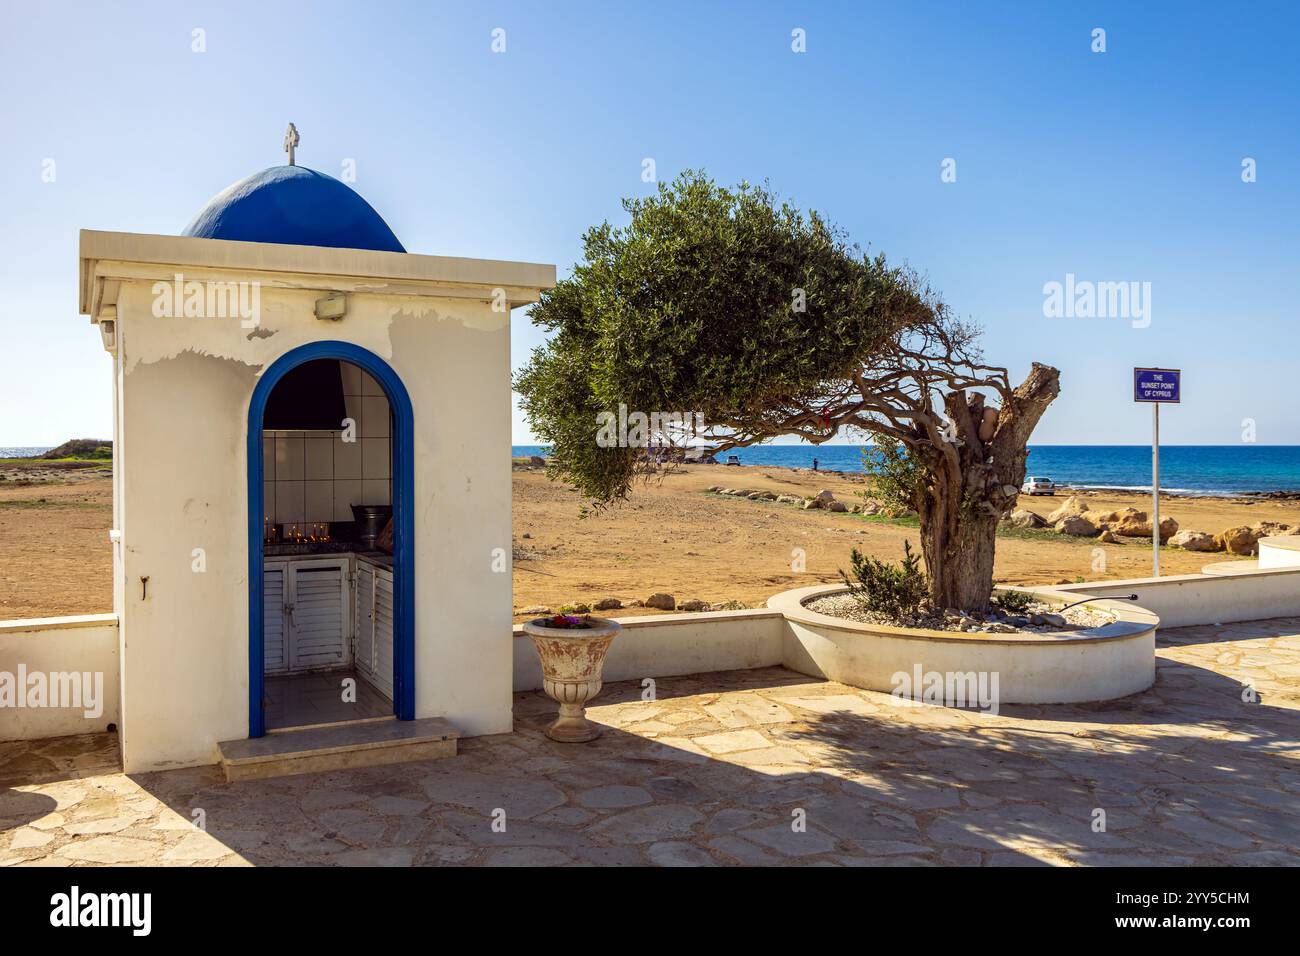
(671,536)
(55,556)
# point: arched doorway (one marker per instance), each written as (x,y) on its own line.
(402,484)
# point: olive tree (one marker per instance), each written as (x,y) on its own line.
(750,320)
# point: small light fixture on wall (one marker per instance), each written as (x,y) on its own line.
(332,308)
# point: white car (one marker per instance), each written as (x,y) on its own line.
(1038,486)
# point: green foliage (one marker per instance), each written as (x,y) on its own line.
(692,307)
(1013,602)
(898,479)
(896,590)
(81,448)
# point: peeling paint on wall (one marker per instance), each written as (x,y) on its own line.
(477,316)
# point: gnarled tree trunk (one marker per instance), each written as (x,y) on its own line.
(972,484)
(958,552)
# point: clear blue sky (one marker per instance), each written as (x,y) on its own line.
(1118,166)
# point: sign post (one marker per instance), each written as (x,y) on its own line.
(1156,386)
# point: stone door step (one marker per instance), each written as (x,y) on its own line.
(338,747)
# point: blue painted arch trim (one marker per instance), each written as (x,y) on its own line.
(403,499)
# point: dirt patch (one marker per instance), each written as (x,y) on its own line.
(55,556)
(674,537)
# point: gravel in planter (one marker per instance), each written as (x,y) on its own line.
(1039,618)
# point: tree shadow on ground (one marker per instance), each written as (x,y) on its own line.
(1176,788)
(1226,633)
(19,808)
(24,762)
(53,760)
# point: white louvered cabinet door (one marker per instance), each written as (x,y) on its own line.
(319,615)
(383,662)
(363,645)
(273,618)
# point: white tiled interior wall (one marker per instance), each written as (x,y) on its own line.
(315,476)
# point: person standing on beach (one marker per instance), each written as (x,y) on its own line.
(814,464)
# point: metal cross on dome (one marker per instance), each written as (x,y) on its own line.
(290,141)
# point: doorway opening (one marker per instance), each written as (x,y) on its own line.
(331,616)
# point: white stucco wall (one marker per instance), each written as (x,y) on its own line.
(186,387)
(1101,663)
(82,644)
(1231,591)
(673,645)
(1282,551)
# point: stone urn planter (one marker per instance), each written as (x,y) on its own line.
(573,656)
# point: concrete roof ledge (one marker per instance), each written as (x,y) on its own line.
(108,255)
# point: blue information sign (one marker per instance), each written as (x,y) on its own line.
(1157,385)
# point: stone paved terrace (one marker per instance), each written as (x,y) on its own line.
(710,773)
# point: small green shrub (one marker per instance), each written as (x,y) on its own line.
(1013,602)
(896,590)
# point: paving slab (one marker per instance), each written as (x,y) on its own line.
(713,771)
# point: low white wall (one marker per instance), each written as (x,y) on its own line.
(673,645)
(1105,663)
(1280,551)
(1026,674)
(84,644)
(1101,663)
(1227,592)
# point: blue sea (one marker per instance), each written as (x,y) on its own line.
(1184,469)
(23,451)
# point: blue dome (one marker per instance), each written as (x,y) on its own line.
(296,206)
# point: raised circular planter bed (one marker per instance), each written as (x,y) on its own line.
(572,662)
(1100,663)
